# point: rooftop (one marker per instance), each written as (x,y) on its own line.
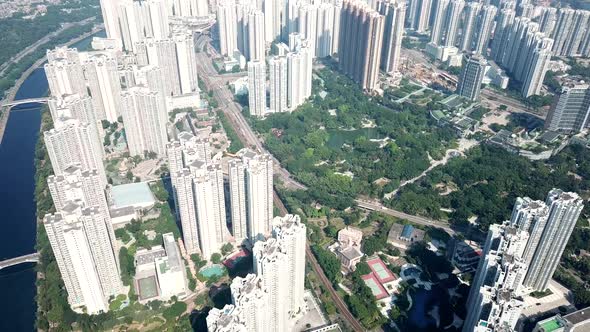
(578,316)
(551,325)
(132,194)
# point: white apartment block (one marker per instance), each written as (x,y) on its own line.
(73,106)
(83,251)
(251,298)
(395,13)
(201,202)
(492,303)
(291,233)
(228,27)
(257,88)
(176,59)
(237,195)
(564,211)
(271,264)
(72,143)
(77,185)
(65,76)
(251,189)
(145,118)
(105,88)
(278,84)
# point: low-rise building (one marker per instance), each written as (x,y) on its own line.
(403,236)
(160,272)
(578,321)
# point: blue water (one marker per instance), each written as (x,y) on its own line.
(213,270)
(17,207)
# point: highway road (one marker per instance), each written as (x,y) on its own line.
(10,94)
(40,42)
(375,206)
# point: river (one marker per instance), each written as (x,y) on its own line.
(17,207)
(17,204)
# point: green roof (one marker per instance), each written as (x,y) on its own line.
(551,325)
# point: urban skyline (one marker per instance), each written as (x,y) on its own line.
(181,161)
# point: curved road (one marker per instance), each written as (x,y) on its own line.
(16,58)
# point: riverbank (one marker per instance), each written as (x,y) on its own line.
(11,93)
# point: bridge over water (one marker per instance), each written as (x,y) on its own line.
(42,100)
(30,258)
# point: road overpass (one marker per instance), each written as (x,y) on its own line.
(30,258)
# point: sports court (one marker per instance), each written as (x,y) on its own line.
(380,270)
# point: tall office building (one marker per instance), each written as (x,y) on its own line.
(291,233)
(227,27)
(361,40)
(105,88)
(251,195)
(493,302)
(485,22)
(278,84)
(570,109)
(469,25)
(471,77)
(257,88)
(144,118)
(79,238)
(564,210)
(64,73)
(73,143)
(271,264)
(395,14)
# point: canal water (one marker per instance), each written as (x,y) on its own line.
(17,207)
(17,203)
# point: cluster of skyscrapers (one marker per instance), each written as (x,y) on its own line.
(364,37)
(200,195)
(519,257)
(272,298)
(523,36)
